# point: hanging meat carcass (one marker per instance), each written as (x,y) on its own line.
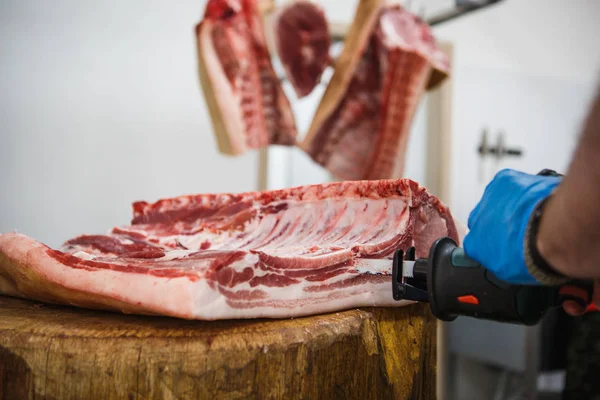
(247,105)
(361,127)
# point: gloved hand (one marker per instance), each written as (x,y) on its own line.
(497,224)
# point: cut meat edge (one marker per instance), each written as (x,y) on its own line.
(44,279)
(145,212)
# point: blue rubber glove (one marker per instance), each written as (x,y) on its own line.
(497,224)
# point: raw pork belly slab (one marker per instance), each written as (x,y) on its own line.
(248,107)
(273,254)
(302,42)
(361,127)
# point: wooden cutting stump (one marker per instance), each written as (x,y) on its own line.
(67,353)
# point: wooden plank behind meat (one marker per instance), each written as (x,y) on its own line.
(365,18)
(266,6)
(60,352)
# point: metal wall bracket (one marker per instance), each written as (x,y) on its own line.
(500,150)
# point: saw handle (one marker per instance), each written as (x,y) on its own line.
(458,285)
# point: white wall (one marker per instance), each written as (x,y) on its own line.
(542,38)
(530,68)
(100,106)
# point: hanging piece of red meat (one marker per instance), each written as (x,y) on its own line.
(247,105)
(361,128)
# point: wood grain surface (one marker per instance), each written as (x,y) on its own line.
(53,352)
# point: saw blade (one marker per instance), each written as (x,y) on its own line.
(408,268)
(383,266)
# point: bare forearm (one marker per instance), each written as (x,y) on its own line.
(569,234)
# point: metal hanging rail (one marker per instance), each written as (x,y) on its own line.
(461,8)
